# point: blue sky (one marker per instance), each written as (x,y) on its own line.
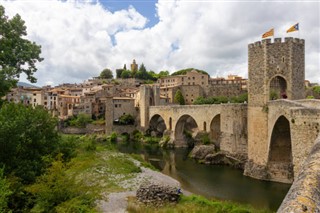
(80,38)
(146,8)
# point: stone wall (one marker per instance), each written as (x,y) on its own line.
(234,133)
(90,128)
(233,122)
(304,195)
(223,90)
(304,121)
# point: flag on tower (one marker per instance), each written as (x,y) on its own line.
(293,28)
(269,33)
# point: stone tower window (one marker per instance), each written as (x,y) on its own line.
(278,88)
(283,59)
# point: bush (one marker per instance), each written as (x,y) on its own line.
(28,139)
(113,137)
(126,120)
(56,191)
(137,135)
(205,139)
(5,192)
(80,120)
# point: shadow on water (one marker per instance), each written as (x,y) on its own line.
(211,181)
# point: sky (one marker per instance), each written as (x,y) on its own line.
(79,38)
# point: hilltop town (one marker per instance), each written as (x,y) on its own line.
(67,100)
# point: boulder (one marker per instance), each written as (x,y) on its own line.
(157,194)
(201,151)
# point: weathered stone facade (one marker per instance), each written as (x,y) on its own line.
(226,124)
(304,195)
(275,134)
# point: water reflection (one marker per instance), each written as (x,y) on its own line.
(211,181)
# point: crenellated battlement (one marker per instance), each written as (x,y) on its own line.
(287,40)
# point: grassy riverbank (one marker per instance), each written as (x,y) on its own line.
(95,170)
(192,204)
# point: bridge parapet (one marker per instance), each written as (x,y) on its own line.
(304,195)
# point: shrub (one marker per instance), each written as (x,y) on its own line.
(28,137)
(80,120)
(5,192)
(126,119)
(205,139)
(113,137)
(56,190)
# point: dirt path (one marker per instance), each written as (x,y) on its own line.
(117,202)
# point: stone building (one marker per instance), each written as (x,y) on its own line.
(274,68)
(194,84)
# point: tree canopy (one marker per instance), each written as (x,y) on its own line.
(28,136)
(178,98)
(18,55)
(106,74)
(184,71)
(243,98)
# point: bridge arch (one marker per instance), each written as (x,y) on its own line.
(215,130)
(186,128)
(278,88)
(280,151)
(157,125)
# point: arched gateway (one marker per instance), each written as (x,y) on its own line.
(280,152)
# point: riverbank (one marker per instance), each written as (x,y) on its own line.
(114,178)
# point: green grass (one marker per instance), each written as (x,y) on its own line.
(97,169)
(194,204)
(143,162)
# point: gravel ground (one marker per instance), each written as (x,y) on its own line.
(117,202)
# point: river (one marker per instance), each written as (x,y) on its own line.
(212,181)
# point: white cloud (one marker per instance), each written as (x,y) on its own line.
(80,38)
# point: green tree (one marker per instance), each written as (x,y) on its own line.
(5,192)
(316,89)
(18,55)
(126,74)
(178,98)
(56,191)
(119,72)
(184,71)
(106,74)
(142,73)
(28,139)
(126,119)
(80,120)
(163,74)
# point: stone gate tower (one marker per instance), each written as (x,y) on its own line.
(276,70)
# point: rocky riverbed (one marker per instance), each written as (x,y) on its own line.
(117,202)
(207,154)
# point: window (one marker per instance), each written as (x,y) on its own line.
(34,100)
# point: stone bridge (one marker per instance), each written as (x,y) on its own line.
(287,132)
(225,123)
